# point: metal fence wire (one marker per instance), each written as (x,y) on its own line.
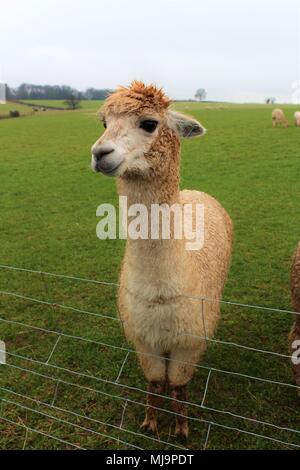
(22,408)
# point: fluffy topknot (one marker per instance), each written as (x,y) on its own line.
(136,99)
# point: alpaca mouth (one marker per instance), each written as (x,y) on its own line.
(107,165)
(106,170)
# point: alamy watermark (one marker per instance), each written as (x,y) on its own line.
(296,92)
(159,222)
(2,352)
(296,353)
(2,93)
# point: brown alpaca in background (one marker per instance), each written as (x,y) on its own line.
(141,147)
(295,291)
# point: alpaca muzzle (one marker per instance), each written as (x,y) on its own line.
(105,159)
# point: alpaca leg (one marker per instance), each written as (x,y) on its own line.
(180,394)
(154,367)
(180,371)
(149,424)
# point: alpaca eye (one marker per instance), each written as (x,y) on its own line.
(149,125)
(104,124)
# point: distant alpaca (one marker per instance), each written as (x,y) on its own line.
(279,118)
(141,147)
(297,118)
(295,291)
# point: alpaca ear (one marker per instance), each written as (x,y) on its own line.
(186,126)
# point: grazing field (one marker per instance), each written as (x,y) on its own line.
(85,104)
(9,106)
(51,103)
(49,198)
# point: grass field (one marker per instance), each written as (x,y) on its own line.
(9,106)
(85,104)
(49,198)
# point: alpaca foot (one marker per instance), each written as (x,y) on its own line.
(182,432)
(149,426)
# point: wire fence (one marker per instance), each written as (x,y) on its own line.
(81,425)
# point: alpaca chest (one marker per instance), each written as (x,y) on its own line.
(163,326)
(157,325)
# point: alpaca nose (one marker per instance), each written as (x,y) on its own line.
(106,158)
(102,151)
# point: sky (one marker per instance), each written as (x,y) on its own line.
(238,50)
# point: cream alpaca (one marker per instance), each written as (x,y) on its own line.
(141,147)
(297,118)
(279,118)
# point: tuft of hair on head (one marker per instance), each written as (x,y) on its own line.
(137,98)
(151,92)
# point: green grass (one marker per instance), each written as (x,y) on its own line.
(49,198)
(85,104)
(9,106)
(53,103)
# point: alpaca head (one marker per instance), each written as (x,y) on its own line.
(140,130)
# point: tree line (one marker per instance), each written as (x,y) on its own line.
(27,91)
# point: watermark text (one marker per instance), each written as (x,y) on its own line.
(157,222)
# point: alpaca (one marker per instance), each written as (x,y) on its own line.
(297,118)
(141,147)
(295,291)
(279,118)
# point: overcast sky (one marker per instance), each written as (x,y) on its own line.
(238,50)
